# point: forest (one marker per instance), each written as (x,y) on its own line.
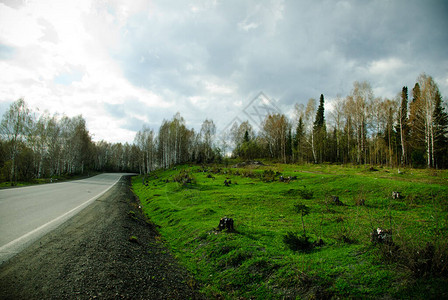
(410,130)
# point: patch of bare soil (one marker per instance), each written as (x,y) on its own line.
(108,250)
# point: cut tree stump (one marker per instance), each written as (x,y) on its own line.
(226,223)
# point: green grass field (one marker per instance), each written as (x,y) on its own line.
(255,262)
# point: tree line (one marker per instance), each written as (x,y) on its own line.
(45,146)
(360,129)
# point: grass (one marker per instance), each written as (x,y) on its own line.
(255,262)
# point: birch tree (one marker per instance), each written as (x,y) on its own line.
(310,111)
(425,112)
(14,128)
(336,115)
(363,97)
(208,131)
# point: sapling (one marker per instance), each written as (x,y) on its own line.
(303,210)
(299,243)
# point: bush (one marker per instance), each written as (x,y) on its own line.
(422,261)
(431,260)
(298,243)
(184,178)
(268,175)
(305,193)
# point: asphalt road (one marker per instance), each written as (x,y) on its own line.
(28,213)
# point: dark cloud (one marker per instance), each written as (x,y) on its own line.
(292,50)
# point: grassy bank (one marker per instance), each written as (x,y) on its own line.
(187,203)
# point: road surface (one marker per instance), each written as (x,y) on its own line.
(92,255)
(28,213)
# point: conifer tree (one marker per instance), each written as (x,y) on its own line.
(440,118)
(298,141)
(416,128)
(403,123)
(320,129)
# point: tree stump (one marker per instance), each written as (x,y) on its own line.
(336,201)
(381,236)
(226,223)
(396,195)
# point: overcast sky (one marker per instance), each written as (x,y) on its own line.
(122,64)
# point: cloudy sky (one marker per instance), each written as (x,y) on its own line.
(122,64)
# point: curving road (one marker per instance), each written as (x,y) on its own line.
(28,213)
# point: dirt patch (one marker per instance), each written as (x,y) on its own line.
(108,250)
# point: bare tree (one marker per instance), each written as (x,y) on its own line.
(337,114)
(275,133)
(208,130)
(363,97)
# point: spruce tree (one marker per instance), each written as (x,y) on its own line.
(320,118)
(441,129)
(416,128)
(299,140)
(320,129)
(289,144)
(403,124)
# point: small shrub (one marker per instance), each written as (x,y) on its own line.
(184,177)
(339,219)
(360,202)
(298,243)
(235,259)
(305,193)
(303,210)
(247,173)
(268,175)
(345,238)
(345,233)
(431,260)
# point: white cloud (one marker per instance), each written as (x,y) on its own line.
(73,74)
(248,26)
(122,63)
(386,65)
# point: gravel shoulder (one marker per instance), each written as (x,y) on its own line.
(108,250)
